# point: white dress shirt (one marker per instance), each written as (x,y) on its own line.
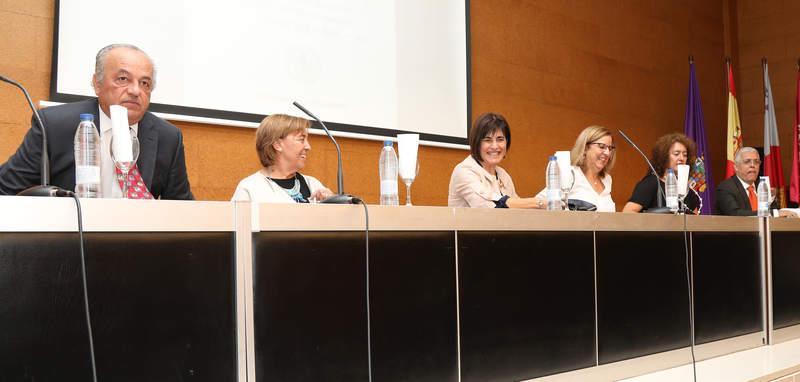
(583,190)
(747,185)
(108,174)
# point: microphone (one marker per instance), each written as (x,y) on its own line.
(341,197)
(660,191)
(43,189)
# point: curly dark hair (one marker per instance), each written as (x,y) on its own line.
(660,156)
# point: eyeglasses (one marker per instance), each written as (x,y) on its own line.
(602,146)
(752,162)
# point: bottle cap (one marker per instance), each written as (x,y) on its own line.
(669,171)
(552,157)
(87,117)
(388,142)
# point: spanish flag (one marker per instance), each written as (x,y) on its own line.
(734,142)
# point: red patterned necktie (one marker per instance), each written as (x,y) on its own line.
(136,187)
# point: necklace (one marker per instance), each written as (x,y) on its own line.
(500,183)
(293,192)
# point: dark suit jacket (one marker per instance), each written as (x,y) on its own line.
(161,159)
(731,198)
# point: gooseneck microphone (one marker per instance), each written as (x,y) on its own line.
(660,191)
(341,197)
(43,189)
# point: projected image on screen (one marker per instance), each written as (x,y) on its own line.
(376,67)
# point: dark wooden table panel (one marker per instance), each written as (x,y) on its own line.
(413,306)
(527,304)
(786,278)
(162,306)
(310,309)
(642,294)
(727,288)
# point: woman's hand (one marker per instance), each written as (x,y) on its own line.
(535,202)
(321,194)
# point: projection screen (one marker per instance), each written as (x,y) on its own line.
(369,68)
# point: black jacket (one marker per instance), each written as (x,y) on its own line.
(731,198)
(161,159)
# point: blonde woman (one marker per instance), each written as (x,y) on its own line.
(282,146)
(593,156)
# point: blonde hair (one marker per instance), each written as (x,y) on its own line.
(273,128)
(588,136)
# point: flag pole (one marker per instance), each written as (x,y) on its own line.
(764,81)
(727,74)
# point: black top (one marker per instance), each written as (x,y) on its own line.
(645,191)
(288,185)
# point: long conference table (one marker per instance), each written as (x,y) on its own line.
(229,291)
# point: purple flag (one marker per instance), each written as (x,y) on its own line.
(700,178)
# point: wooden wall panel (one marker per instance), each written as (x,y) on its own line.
(551,67)
(556,67)
(26,30)
(768,29)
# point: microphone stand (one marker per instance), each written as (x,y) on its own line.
(660,191)
(43,189)
(341,197)
(681,205)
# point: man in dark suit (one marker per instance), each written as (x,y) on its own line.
(124,75)
(737,195)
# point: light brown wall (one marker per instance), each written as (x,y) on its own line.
(768,28)
(550,67)
(554,67)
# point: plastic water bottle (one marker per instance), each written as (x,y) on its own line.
(87,159)
(672,190)
(388,171)
(763,197)
(553,185)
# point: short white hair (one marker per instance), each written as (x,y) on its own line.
(738,157)
(100,61)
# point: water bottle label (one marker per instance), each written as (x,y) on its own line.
(87,174)
(553,194)
(388,187)
(672,202)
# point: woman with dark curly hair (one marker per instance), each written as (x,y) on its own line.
(670,151)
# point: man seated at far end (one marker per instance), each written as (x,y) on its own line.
(738,195)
